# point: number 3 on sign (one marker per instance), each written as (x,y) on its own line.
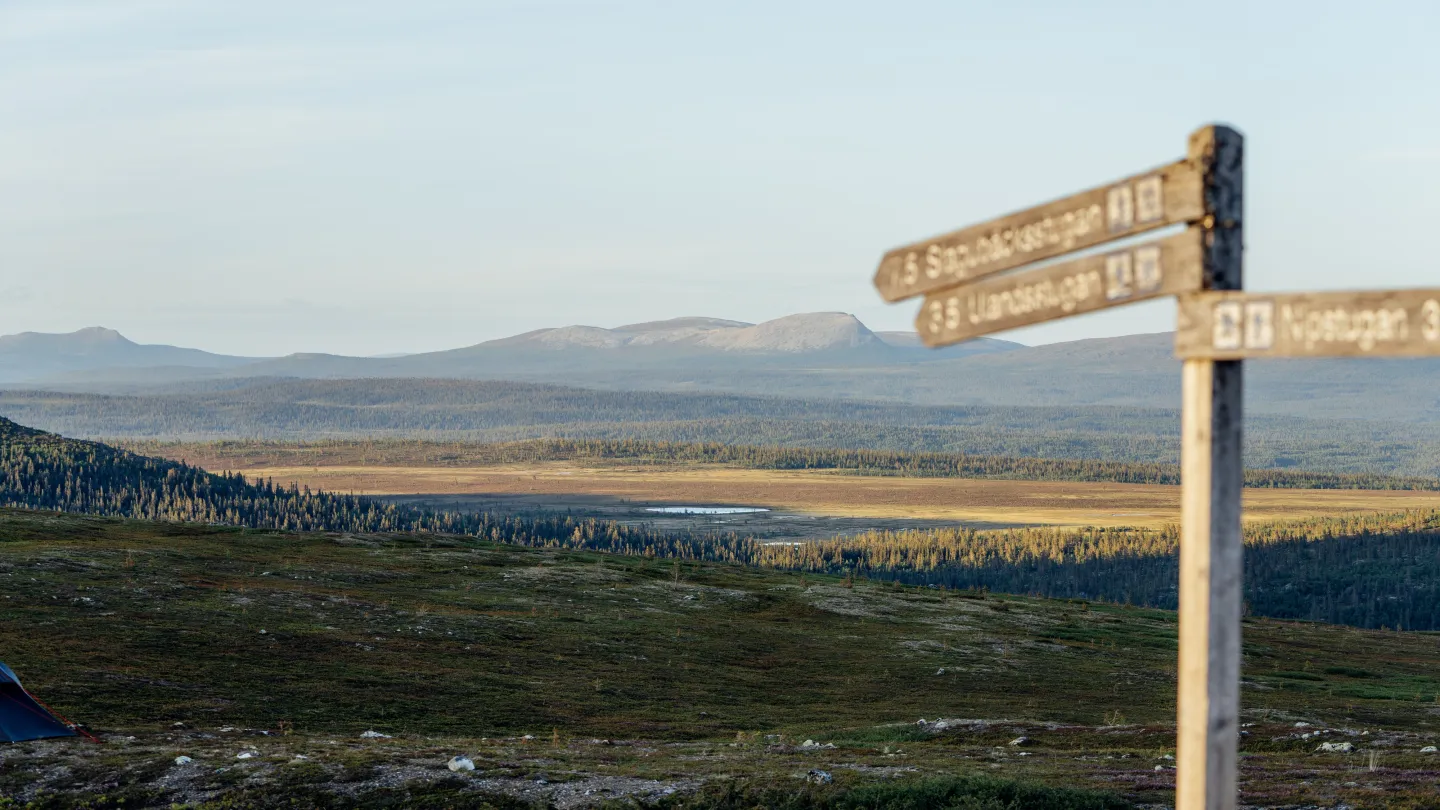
(1430,314)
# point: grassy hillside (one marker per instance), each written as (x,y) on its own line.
(505,411)
(577,678)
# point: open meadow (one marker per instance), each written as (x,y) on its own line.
(803,500)
(575,678)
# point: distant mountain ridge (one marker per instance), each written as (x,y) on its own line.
(831,338)
(825,355)
(36,354)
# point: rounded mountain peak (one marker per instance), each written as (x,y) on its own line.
(808,332)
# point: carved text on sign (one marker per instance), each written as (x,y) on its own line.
(960,261)
(1163,267)
(1163,196)
(1395,323)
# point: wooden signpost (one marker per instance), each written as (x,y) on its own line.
(979,280)
(988,278)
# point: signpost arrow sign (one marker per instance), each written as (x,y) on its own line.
(1167,266)
(1389,323)
(1164,196)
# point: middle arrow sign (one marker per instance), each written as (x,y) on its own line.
(1160,267)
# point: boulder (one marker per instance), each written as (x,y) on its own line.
(461,764)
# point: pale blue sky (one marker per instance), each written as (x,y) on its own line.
(268,176)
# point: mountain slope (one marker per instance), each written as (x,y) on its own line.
(29,355)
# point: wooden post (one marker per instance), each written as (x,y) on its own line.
(1212,478)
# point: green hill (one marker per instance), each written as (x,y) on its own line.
(576,679)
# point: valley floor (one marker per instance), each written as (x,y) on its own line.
(565,672)
(814,503)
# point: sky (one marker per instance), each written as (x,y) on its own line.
(262,177)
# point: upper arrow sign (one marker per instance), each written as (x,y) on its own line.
(1154,199)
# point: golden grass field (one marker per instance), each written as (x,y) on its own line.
(826,492)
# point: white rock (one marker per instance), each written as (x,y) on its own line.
(1336,747)
(459,764)
(245,755)
(1020,741)
(1302,725)
(1429,749)
(183,760)
(819,777)
(375,735)
(1159,767)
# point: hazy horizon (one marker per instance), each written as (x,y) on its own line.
(366,178)
(183,342)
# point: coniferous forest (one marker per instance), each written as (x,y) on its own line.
(1365,570)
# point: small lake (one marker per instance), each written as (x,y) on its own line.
(706,510)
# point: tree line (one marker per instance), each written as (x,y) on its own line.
(1378,570)
(1365,570)
(495,411)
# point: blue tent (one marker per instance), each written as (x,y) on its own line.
(21,718)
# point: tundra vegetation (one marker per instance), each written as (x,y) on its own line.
(305,649)
(575,678)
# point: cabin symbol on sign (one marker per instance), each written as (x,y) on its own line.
(1259,324)
(1243,324)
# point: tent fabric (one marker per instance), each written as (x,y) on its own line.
(21,718)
